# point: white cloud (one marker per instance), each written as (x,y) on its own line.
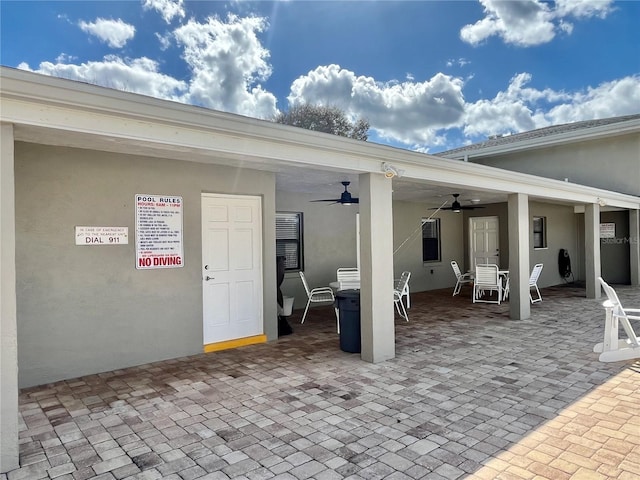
(168,9)
(583,8)
(460,62)
(165,41)
(65,58)
(520,108)
(609,99)
(409,112)
(530,22)
(524,23)
(114,33)
(227,62)
(139,75)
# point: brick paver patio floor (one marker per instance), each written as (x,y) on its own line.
(470,394)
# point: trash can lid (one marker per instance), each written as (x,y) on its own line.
(349,293)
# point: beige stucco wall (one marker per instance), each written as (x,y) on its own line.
(611,164)
(329,237)
(407,244)
(9,451)
(86,309)
(330,242)
(562,232)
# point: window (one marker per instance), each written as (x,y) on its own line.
(289,239)
(539,232)
(431,240)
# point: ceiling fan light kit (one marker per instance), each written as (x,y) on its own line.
(345,198)
(456,207)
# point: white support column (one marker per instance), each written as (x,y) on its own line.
(592,249)
(634,246)
(9,453)
(376,274)
(519,269)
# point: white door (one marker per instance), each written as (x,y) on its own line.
(483,241)
(231,267)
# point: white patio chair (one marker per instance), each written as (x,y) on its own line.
(461,279)
(317,295)
(398,290)
(614,349)
(348,278)
(533,282)
(404,291)
(487,279)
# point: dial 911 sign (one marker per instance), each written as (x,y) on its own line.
(87,235)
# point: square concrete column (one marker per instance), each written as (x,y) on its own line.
(8,326)
(376,269)
(519,306)
(592,249)
(634,246)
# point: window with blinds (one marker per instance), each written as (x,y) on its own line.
(539,232)
(431,240)
(289,239)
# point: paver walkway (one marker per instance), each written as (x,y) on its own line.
(470,394)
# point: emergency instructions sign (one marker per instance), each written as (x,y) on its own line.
(159,231)
(87,235)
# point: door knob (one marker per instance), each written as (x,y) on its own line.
(208,278)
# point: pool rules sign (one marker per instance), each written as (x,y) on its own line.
(159,232)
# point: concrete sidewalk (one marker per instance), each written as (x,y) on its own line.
(471,394)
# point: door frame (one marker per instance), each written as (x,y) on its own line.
(251,340)
(471,231)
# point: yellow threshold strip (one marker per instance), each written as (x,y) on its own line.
(238,342)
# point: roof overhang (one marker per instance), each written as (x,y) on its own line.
(56,111)
(565,138)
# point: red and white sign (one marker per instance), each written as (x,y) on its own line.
(159,231)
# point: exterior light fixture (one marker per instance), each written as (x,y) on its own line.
(390,171)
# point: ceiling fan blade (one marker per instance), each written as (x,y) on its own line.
(345,198)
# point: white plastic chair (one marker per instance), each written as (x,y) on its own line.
(398,290)
(461,279)
(348,278)
(533,282)
(317,295)
(614,349)
(487,279)
(404,291)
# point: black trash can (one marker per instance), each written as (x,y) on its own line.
(349,312)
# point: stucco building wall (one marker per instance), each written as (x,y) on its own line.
(612,163)
(87,309)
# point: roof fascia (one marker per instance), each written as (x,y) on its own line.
(48,102)
(592,133)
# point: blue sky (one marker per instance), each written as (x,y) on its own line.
(428,75)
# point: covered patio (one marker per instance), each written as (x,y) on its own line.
(469,394)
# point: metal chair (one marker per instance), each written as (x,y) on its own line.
(348,277)
(487,279)
(404,291)
(461,279)
(317,295)
(533,282)
(400,287)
